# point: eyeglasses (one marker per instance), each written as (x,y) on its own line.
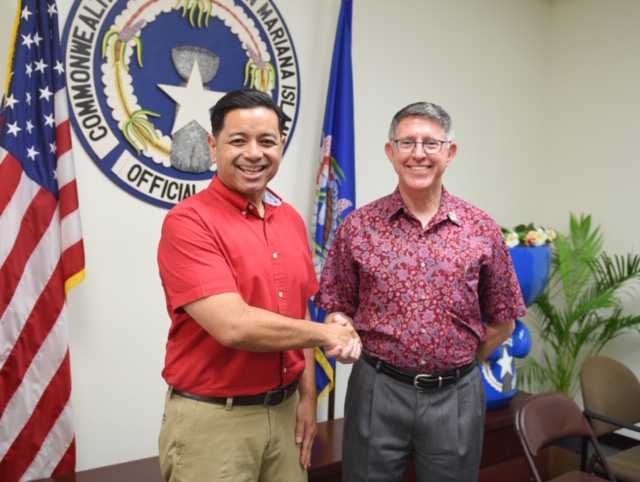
(430,146)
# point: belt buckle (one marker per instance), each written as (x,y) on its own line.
(419,376)
(272,394)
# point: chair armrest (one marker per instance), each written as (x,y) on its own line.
(613,421)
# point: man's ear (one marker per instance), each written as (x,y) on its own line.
(388,149)
(453,150)
(211,140)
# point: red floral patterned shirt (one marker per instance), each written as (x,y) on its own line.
(419,296)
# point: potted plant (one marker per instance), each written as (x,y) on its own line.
(580,310)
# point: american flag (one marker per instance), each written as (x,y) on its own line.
(41,253)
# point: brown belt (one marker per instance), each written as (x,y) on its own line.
(422,381)
(267,399)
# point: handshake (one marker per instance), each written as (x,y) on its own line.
(344,344)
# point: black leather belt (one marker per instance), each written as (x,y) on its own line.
(267,399)
(422,381)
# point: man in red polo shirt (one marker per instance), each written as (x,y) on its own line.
(237,272)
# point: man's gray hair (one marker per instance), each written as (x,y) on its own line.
(428,111)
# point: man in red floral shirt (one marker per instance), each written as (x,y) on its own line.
(419,271)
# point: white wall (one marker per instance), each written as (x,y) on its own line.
(543,95)
(594,127)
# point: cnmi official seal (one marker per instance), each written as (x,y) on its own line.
(143,75)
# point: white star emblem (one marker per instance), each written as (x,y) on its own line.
(505,362)
(27,40)
(45,93)
(48,120)
(37,39)
(194,101)
(29,69)
(32,153)
(59,68)
(14,129)
(26,13)
(29,126)
(11,101)
(52,147)
(29,98)
(51,9)
(40,66)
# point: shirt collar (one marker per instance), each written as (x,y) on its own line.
(448,210)
(237,200)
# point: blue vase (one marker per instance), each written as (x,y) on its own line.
(532,266)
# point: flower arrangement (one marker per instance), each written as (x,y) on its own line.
(528,235)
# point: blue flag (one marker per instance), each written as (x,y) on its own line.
(335,181)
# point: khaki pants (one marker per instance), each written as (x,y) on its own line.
(205,442)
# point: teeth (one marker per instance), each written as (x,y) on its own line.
(251,170)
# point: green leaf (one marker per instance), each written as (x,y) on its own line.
(581,309)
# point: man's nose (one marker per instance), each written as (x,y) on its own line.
(418,150)
(253,150)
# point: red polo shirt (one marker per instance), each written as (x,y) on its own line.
(215,242)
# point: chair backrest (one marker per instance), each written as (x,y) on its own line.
(611,389)
(548,417)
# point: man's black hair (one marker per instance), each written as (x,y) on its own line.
(243,99)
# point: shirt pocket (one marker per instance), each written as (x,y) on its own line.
(466,275)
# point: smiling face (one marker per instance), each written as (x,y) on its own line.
(248,151)
(420,174)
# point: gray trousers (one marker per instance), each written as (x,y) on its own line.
(387,420)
